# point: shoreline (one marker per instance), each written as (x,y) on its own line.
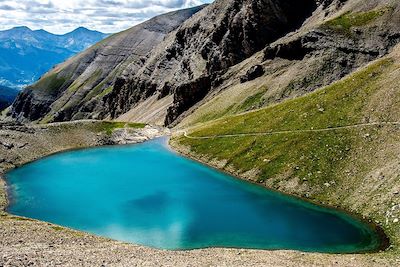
(384,239)
(46,243)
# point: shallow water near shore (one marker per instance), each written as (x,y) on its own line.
(147,194)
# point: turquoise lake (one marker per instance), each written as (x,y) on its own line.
(147,194)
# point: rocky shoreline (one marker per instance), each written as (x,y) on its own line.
(251,178)
(26,242)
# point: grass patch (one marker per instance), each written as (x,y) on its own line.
(93,79)
(74,87)
(57,228)
(47,119)
(109,127)
(345,22)
(106,92)
(21,219)
(212,116)
(50,83)
(252,102)
(311,157)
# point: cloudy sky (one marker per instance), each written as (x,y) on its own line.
(60,16)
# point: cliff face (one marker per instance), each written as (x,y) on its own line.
(162,70)
(189,62)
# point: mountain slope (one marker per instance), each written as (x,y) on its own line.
(205,46)
(190,57)
(192,73)
(338,145)
(75,89)
(7,96)
(304,45)
(25,55)
(325,49)
(210,53)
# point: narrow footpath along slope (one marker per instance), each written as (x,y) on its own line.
(363,125)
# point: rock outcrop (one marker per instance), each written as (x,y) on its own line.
(253,73)
(342,49)
(205,46)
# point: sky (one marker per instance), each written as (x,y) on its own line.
(61,16)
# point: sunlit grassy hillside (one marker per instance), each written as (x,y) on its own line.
(355,168)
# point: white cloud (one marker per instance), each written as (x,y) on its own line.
(60,16)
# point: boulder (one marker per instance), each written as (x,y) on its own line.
(253,73)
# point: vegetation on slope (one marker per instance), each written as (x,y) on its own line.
(340,104)
(50,83)
(313,157)
(328,166)
(347,21)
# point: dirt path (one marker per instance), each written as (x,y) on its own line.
(362,125)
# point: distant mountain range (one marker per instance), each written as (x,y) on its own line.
(25,55)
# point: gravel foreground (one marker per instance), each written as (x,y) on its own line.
(26,242)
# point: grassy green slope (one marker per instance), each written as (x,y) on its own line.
(340,104)
(338,167)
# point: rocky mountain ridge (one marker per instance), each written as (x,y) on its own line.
(207,52)
(206,45)
(75,88)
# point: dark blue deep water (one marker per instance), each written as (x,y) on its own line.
(147,194)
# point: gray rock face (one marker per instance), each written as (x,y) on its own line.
(341,50)
(205,46)
(187,95)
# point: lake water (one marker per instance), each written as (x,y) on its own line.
(147,194)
